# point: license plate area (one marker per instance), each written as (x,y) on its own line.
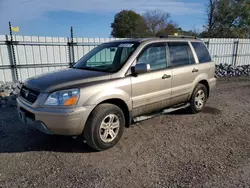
(24,114)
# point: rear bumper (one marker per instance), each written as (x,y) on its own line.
(53,120)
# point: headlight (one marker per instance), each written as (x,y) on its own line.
(63,98)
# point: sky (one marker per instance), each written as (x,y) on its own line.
(89,18)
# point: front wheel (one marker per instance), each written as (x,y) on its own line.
(104,127)
(198,99)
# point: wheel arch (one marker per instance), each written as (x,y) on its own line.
(205,83)
(201,79)
(122,105)
(118,102)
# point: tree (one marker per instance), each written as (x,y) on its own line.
(157,21)
(244,21)
(193,32)
(128,24)
(211,15)
(170,29)
(227,18)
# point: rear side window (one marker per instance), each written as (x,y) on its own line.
(180,53)
(202,52)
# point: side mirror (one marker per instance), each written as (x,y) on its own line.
(140,68)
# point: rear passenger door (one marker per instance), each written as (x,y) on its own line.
(184,71)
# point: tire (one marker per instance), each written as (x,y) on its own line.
(97,131)
(198,91)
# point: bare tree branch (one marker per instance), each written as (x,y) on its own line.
(157,20)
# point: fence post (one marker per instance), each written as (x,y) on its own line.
(71,48)
(207,43)
(12,53)
(236,43)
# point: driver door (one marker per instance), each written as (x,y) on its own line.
(151,91)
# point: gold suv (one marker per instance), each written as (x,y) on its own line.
(116,82)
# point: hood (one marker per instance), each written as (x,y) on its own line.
(64,78)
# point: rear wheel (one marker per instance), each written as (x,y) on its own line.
(104,127)
(198,99)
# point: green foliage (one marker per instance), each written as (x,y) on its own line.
(127,24)
(154,23)
(170,29)
(228,19)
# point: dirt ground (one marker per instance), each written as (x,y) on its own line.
(210,149)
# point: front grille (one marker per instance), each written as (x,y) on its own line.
(29,94)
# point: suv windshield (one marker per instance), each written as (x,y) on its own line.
(108,57)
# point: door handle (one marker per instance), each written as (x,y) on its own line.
(165,76)
(195,70)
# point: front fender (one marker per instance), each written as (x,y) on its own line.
(110,93)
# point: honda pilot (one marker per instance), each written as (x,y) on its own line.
(115,83)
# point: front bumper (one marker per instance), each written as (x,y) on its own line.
(57,121)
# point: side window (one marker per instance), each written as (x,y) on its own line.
(180,53)
(202,52)
(155,55)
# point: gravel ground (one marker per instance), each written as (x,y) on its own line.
(210,149)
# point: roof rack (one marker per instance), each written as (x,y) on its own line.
(179,36)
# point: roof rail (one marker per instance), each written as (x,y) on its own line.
(179,36)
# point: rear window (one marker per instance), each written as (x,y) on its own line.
(202,52)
